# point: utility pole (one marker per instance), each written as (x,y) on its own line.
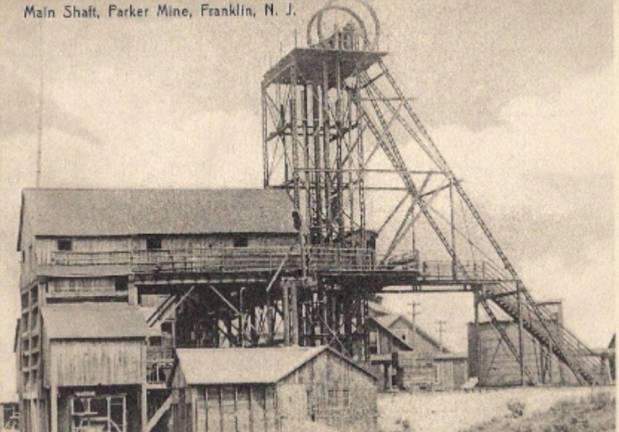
(415,312)
(441,329)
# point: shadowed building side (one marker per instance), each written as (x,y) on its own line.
(494,366)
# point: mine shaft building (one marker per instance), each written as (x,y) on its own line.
(292,264)
(81,339)
(271,389)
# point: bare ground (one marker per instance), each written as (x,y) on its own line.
(458,411)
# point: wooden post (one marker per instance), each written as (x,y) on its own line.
(250,409)
(477,336)
(286,306)
(294,315)
(144,401)
(53,394)
(132,291)
(144,408)
(452,222)
(520,342)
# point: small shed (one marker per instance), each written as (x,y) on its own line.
(271,389)
(451,370)
(95,366)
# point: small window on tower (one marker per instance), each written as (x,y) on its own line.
(64,245)
(153,243)
(241,241)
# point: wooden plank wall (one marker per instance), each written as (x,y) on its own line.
(338,393)
(105,362)
(498,365)
(325,390)
(46,245)
(250,408)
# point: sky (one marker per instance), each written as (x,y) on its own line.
(517,94)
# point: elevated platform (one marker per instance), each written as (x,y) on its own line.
(309,63)
(257,266)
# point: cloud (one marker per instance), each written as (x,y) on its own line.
(543,179)
(21,104)
(568,136)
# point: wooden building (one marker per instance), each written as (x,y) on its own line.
(408,357)
(494,365)
(94,362)
(271,389)
(86,245)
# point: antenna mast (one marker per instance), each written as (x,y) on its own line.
(40,118)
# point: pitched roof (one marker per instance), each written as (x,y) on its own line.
(386,328)
(246,365)
(387,321)
(378,308)
(93,321)
(92,212)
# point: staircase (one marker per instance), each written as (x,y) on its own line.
(503,290)
(551,334)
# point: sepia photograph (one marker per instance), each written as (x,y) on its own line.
(307,216)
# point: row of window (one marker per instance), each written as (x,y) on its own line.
(152,243)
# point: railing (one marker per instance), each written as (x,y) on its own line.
(269,259)
(158,370)
(466,271)
(224,260)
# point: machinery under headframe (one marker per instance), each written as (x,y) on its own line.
(339,135)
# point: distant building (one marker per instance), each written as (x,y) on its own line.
(408,357)
(270,389)
(495,366)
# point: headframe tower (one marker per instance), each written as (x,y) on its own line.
(337,132)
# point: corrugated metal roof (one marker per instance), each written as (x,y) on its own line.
(92,212)
(93,321)
(247,365)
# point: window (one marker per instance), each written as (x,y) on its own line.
(153,243)
(373,345)
(120,284)
(241,241)
(338,399)
(64,244)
